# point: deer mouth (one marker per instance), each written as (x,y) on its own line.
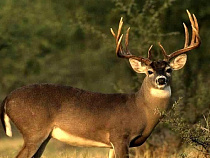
(161,86)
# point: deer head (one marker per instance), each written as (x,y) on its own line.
(159,72)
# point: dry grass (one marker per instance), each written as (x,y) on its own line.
(10,146)
(160,145)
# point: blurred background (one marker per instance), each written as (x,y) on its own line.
(69,42)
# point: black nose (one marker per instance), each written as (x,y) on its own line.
(161,81)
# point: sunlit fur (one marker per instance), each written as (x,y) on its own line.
(63,136)
(8,126)
(161,93)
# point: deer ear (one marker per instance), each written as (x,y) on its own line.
(138,66)
(179,62)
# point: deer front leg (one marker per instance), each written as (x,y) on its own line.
(111,153)
(120,148)
(120,151)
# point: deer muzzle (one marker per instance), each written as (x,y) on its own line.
(161,81)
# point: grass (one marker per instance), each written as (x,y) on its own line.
(164,145)
(9,148)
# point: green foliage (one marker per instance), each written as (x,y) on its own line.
(197,133)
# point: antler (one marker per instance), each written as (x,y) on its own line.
(126,53)
(195,41)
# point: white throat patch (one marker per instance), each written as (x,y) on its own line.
(161,93)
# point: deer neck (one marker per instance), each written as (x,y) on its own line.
(153,100)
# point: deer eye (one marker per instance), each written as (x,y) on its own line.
(169,70)
(150,72)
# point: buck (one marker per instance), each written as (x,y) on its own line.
(82,118)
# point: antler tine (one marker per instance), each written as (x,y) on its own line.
(118,37)
(195,41)
(196,22)
(119,49)
(112,32)
(119,29)
(149,52)
(126,41)
(164,52)
(186,36)
(196,27)
(192,25)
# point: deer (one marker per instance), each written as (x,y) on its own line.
(90,119)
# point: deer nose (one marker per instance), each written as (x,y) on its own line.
(161,80)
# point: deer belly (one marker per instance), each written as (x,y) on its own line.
(63,136)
